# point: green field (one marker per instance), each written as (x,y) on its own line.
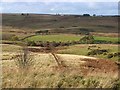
(102,38)
(56,38)
(83,50)
(66,38)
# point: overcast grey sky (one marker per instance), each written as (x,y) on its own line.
(99,8)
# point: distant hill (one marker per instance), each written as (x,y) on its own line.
(61,23)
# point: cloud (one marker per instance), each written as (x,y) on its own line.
(52,9)
(92,5)
(61,7)
(59,1)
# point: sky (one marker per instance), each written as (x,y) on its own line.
(65,7)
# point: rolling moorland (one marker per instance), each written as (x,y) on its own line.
(60,51)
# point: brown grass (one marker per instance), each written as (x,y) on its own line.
(45,74)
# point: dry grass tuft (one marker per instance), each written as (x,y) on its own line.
(24,60)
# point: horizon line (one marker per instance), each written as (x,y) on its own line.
(61,14)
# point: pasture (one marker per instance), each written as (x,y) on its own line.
(56,38)
(103,38)
(69,37)
(83,50)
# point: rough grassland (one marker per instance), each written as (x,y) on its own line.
(45,74)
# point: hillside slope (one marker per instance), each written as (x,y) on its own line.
(57,23)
